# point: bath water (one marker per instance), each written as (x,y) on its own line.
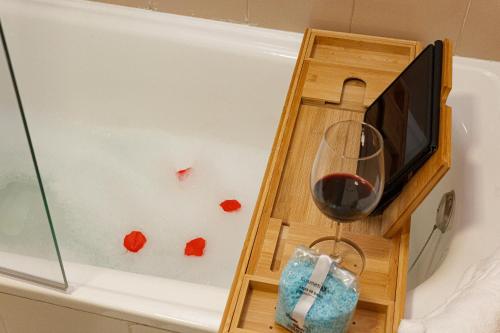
(102,183)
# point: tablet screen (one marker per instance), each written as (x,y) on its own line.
(403,115)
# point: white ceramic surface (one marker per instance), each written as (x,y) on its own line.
(118,99)
(146,56)
(474,232)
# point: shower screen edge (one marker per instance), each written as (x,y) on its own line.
(9,271)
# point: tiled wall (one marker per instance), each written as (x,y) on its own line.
(473,25)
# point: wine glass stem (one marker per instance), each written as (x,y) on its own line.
(337,239)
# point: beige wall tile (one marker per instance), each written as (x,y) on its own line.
(226,10)
(145,329)
(296,15)
(22,315)
(129,3)
(422,20)
(481,33)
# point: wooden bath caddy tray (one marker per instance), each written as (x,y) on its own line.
(336,77)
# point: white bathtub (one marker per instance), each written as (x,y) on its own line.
(117,99)
(474,232)
(92,76)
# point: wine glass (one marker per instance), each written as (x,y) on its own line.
(347,182)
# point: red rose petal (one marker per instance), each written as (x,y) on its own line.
(134,241)
(195,247)
(183,173)
(230,205)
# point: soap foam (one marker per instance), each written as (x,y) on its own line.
(102,183)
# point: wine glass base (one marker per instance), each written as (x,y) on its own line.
(346,253)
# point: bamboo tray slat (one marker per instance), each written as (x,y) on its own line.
(337,75)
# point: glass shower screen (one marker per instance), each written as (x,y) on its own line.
(28,246)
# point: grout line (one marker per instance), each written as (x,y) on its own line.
(352,14)
(462,27)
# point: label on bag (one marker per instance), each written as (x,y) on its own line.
(311,291)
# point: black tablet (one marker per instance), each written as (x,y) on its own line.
(407,116)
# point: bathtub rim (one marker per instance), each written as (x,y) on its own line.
(100,291)
(433,292)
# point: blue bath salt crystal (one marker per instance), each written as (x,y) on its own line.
(333,308)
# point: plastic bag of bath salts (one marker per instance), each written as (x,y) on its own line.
(315,294)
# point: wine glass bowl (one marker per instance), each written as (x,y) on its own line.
(347,176)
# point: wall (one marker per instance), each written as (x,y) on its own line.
(22,315)
(473,25)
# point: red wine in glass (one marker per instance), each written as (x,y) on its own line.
(347,181)
(344,197)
